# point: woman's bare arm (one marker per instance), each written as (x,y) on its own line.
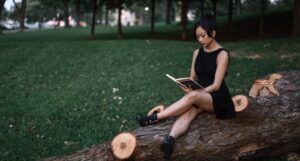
(222,64)
(193,73)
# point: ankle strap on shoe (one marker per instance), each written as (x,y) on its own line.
(170,138)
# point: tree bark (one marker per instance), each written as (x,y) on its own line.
(94,5)
(152,16)
(120,33)
(215,9)
(237,7)
(202,9)
(262,15)
(230,9)
(106,16)
(66,14)
(268,127)
(168,12)
(173,16)
(21,12)
(184,8)
(22,15)
(57,17)
(100,14)
(78,3)
(2,2)
(296,20)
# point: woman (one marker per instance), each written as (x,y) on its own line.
(209,68)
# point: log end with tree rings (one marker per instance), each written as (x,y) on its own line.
(241,102)
(265,87)
(274,77)
(123,145)
(156,110)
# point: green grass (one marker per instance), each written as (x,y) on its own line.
(60,92)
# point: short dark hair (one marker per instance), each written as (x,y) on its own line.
(208,24)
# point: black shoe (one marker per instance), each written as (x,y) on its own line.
(146,120)
(167,146)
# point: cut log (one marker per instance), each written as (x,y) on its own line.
(293,157)
(265,87)
(123,145)
(156,110)
(268,127)
(240,102)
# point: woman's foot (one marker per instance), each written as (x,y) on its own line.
(146,120)
(167,146)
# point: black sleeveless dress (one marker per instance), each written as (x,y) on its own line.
(205,68)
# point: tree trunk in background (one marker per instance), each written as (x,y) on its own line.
(296,19)
(1,9)
(168,12)
(230,9)
(237,7)
(100,12)
(262,15)
(172,12)
(66,14)
(120,33)
(184,8)
(22,15)
(2,2)
(215,9)
(152,16)
(78,3)
(21,12)
(106,16)
(268,127)
(202,8)
(94,6)
(57,17)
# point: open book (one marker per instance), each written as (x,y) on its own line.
(186,82)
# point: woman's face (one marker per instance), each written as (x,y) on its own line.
(203,37)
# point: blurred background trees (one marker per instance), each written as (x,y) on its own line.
(81,13)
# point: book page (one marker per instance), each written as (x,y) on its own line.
(189,83)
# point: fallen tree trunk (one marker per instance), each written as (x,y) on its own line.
(268,127)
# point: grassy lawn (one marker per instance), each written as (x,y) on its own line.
(60,92)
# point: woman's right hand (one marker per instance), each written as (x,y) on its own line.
(186,90)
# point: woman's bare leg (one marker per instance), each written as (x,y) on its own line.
(180,126)
(200,99)
(182,123)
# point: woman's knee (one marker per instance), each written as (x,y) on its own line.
(191,97)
